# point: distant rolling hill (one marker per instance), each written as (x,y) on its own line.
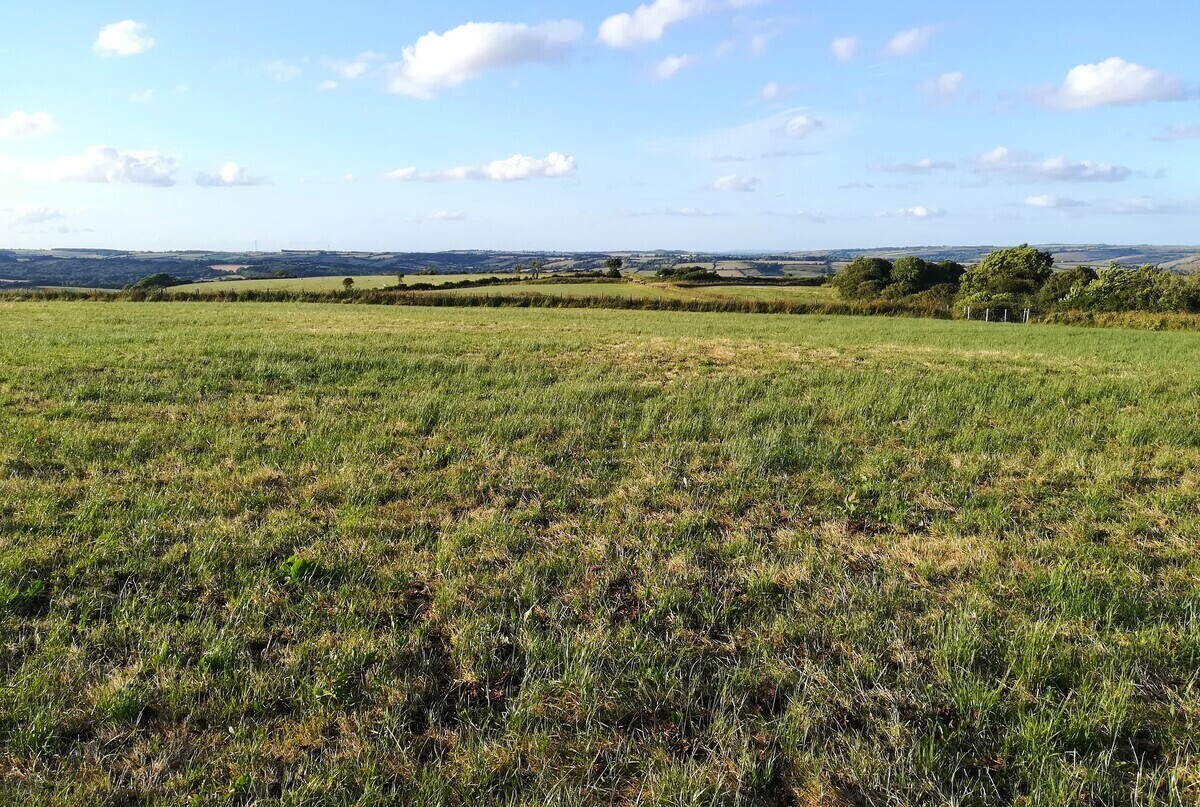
(113,268)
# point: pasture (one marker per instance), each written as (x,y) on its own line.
(355,555)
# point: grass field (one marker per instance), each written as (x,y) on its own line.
(350,555)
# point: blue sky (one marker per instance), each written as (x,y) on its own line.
(677,124)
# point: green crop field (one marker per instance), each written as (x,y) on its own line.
(353,555)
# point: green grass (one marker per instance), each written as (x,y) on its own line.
(351,555)
(317,284)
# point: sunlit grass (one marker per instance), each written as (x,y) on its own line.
(325,554)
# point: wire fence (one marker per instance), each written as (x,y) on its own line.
(1022,316)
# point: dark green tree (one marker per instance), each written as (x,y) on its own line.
(347,283)
(1061,284)
(161,280)
(1007,277)
(864,278)
(614,266)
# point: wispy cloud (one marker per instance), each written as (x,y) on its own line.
(671,65)
(516,168)
(1030,168)
(910,42)
(27,124)
(736,183)
(927,165)
(1174,134)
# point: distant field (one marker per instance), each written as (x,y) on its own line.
(319,283)
(365,555)
(650,290)
(644,289)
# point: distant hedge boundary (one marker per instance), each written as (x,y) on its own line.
(1138,320)
(435,299)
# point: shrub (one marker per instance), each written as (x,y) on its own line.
(687,273)
(1007,277)
(160,280)
(864,279)
(1063,283)
(1146,289)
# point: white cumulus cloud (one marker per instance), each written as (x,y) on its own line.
(942,90)
(802,126)
(910,42)
(650,21)
(1050,202)
(109,165)
(437,61)
(327,85)
(230,175)
(845,48)
(671,65)
(918,212)
(516,168)
(1113,82)
(1030,168)
(100,164)
(124,38)
(735,183)
(449,215)
(27,124)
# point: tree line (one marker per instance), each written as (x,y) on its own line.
(1017,278)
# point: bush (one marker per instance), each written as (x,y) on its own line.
(161,280)
(864,279)
(1007,277)
(678,274)
(1061,284)
(1146,289)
